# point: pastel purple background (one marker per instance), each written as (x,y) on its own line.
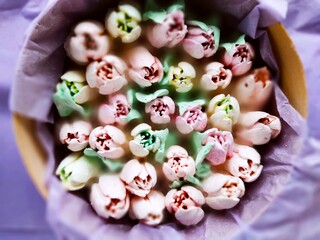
(22,211)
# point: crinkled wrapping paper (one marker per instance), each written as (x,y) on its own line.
(39,68)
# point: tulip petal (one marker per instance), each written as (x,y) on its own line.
(189,217)
(130,170)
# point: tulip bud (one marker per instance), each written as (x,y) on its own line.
(109,197)
(87,42)
(224,191)
(139,177)
(108,141)
(257,128)
(224,112)
(186,204)
(75,134)
(76,171)
(124,23)
(180,77)
(149,210)
(107,74)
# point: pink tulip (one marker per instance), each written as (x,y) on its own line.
(109,197)
(75,134)
(144,68)
(170,32)
(253,91)
(139,177)
(107,74)
(239,60)
(192,119)
(179,164)
(216,76)
(200,43)
(160,109)
(87,42)
(224,191)
(108,141)
(186,204)
(149,210)
(223,145)
(244,164)
(116,111)
(257,128)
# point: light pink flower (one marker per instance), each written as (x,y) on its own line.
(223,191)
(223,145)
(160,109)
(139,177)
(239,60)
(75,134)
(199,43)
(107,74)
(244,164)
(186,204)
(253,91)
(87,42)
(149,210)
(179,164)
(192,119)
(109,197)
(116,111)
(170,32)
(108,141)
(257,128)
(216,76)
(144,68)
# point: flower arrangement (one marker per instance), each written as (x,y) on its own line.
(167,125)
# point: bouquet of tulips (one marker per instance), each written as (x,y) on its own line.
(161,117)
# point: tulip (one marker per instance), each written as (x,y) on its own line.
(168,32)
(224,191)
(71,93)
(179,164)
(75,134)
(244,164)
(224,112)
(222,147)
(76,171)
(191,118)
(109,197)
(144,68)
(146,140)
(201,40)
(239,57)
(253,91)
(78,89)
(257,128)
(139,177)
(107,74)
(116,111)
(180,77)
(124,23)
(216,76)
(160,109)
(108,141)
(186,204)
(149,210)
(87,42)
